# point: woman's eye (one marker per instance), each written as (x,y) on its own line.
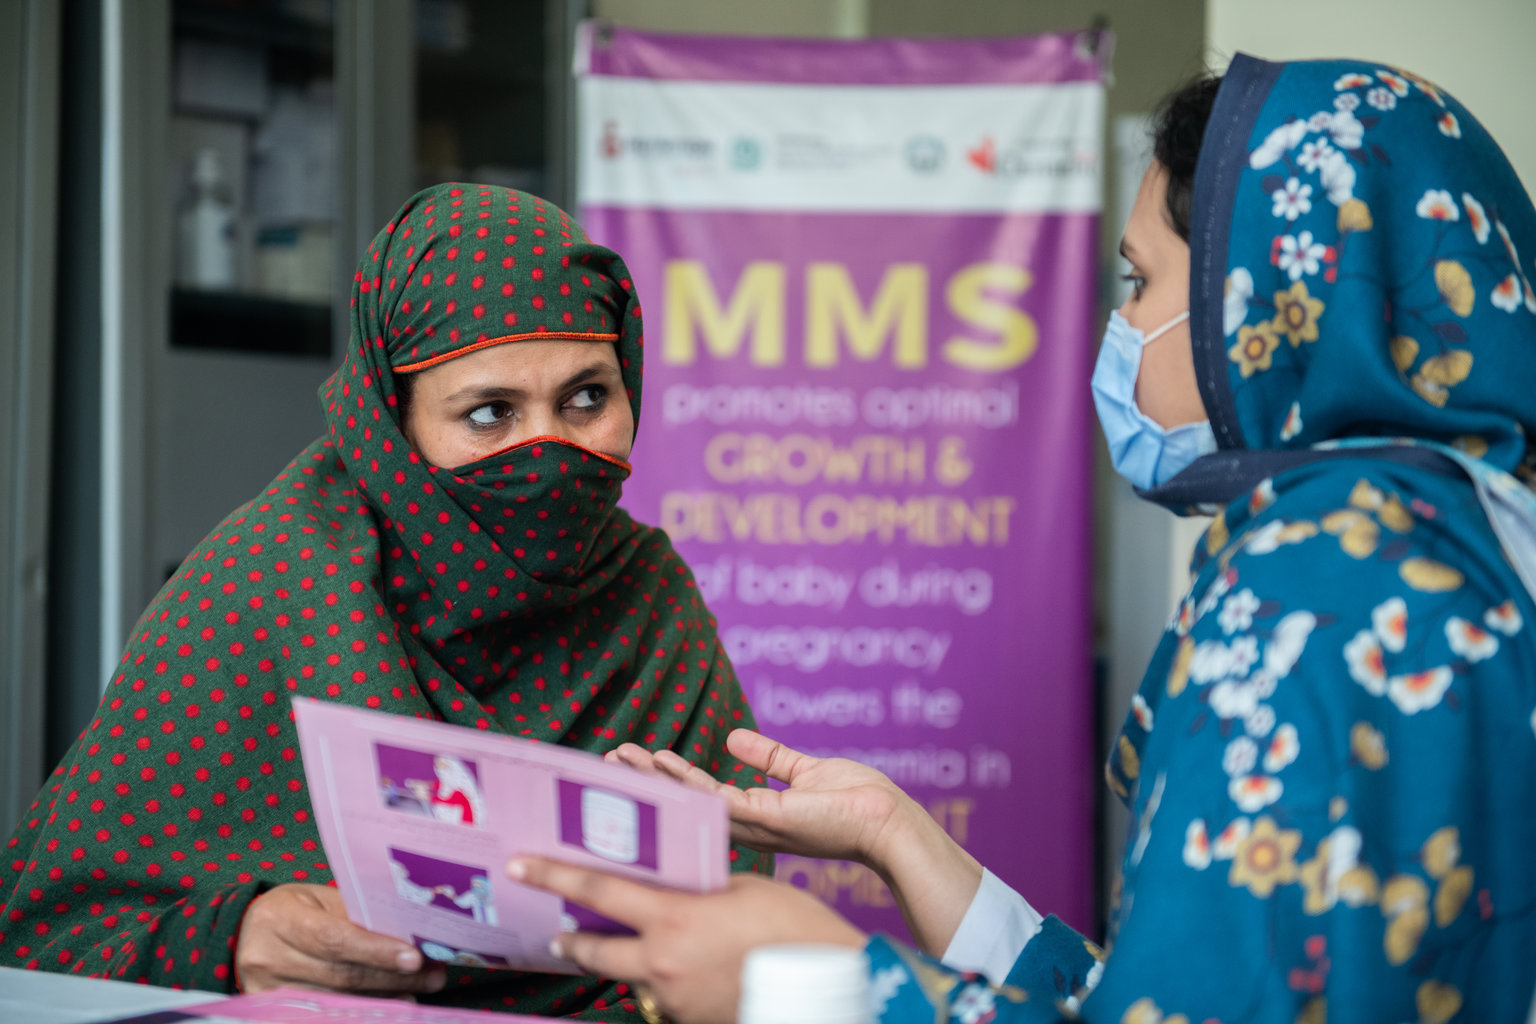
(1137,283)
(588,398)
(489,415)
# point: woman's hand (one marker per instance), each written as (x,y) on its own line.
(833,808)
(690,948)
(298,936)
(839,809)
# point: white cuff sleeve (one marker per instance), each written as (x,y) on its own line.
(997,926)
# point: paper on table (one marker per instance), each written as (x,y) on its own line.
(419,819)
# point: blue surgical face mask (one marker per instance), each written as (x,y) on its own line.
(1145,453)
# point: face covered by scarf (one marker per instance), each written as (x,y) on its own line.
(1362,255)
(510,594)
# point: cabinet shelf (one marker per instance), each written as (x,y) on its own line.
(236,321)
(254,24)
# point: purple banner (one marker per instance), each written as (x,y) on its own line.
(868,429)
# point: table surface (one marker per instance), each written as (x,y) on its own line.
(42,997)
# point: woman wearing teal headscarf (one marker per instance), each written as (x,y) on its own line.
(1331,762)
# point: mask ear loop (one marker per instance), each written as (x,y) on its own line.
(1170,325)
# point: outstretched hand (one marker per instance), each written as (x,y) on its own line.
(833,808)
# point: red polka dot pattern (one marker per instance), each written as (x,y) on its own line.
(511,595)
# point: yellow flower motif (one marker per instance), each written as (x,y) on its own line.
(1096,951)
(1358,886)
(1178,675)
(1428,575)
(1354,215)
(1112,780)
(1404,351)
(1145,1011)
(1357,532)
(1368,746)
(1455,286)
(1216,535)
(1255,348)
(1452,895)
(1473,445)
(1265,859)
(1336,808)
(1295,533)
(1394,515)
(1130,761)
(1441,851)
(1297,313)
(1440,373)
(1403,901)
(1437,1002)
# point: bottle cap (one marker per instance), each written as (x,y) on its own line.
(805,984)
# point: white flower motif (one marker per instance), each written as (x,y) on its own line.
(1262,496)
(1506,294)
(1449,126)
(1292,425)
(1197,846)
(1300,255)
(975,1003)
(1343,849)
(1468,641)
(1142,712)
(1237,292)
(1367,664)
(1505,618)
(1277,143)
(887,981)
(1475,217)
(1183,616)
(1216,591)
(1352,80)
(1231,699)
(1381,98)
(1437,204)
(1347,102)
(1253,793)
(1287,643)
(1267,538)
(1337,176)
(1264,684)
(1240,756)
(1282,750)
(1210,662)
(1237,611)
(1398,83)
(1315,152)
(1244,654)
(1230,837)
(1259,722)
(1345,130)
(1320,121)
(1390,621)
(1418,691)
(1292,200)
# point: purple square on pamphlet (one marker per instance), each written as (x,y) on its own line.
(444,953)
(442,787)
(576,918)
(430,882)
(611,825)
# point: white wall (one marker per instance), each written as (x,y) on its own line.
(1480,50)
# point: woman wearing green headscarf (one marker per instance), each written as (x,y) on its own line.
(451,549)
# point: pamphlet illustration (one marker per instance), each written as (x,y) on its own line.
(419,819)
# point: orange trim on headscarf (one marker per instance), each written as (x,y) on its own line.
(488,342)
(544,438)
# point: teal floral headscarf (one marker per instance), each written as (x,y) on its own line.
(1362,254)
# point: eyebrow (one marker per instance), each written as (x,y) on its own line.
(492,392)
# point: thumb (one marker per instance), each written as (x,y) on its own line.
(768,756)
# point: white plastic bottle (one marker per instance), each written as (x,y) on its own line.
(805,984)
(206,228)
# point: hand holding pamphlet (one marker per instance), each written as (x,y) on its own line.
(419,819)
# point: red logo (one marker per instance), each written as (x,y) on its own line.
(612,145)
(984,156)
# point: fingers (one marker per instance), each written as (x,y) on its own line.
(607,956)
(768,756)
(633,756)
(624,901)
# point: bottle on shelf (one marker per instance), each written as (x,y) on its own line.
(805,983)
(206,228)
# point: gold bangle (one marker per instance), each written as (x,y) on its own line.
(649,1011)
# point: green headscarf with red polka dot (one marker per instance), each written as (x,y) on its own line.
(511,594)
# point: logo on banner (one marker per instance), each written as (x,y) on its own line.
(1038,158)
(746,154)
(613,145)
(925,154)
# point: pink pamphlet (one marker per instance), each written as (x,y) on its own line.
(291,1006)
(419,819)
